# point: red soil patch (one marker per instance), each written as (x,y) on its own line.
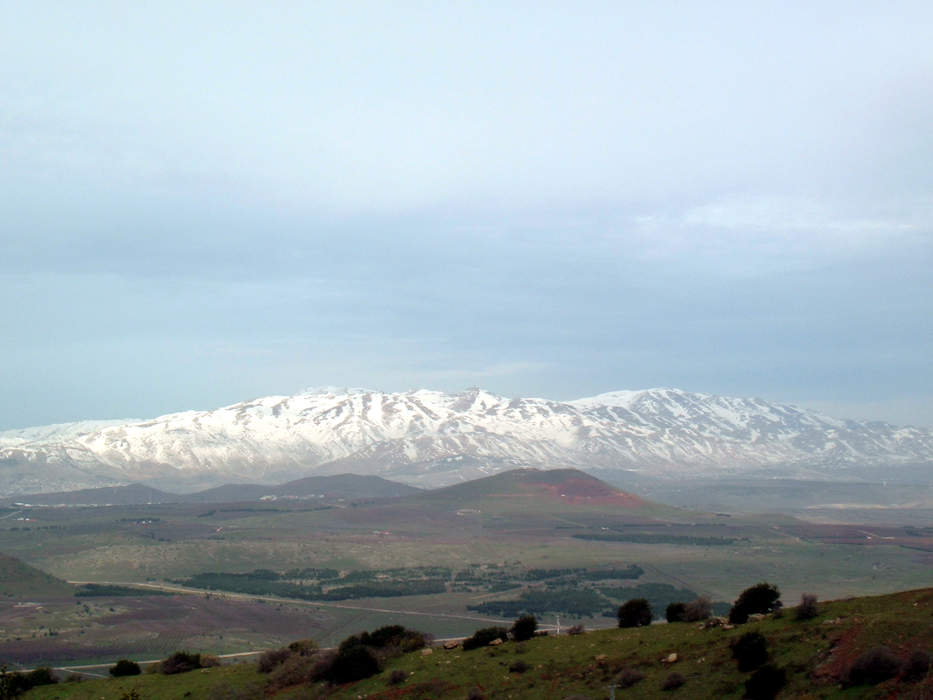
(586,492)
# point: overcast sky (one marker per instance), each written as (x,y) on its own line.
(205,202)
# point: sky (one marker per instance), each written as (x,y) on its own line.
(206,202)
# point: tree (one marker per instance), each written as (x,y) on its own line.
(634,613)
(750,650)
(762,598)
(676,612)
(524,628)
(124,667)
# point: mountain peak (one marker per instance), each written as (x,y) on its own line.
(428,437)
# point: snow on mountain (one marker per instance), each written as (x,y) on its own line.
(434,438)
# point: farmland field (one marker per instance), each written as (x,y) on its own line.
(357,565)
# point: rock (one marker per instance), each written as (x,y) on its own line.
(727,626)
(452,644)
(670,659)
(427,652)
(756,617)
(714,622)
(495,642)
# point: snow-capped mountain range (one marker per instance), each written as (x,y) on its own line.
(433,438)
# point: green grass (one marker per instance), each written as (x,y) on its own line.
(815,653)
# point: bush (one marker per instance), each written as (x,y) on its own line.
(268,660)
(476,694)
(524,628)
(180,662)
(303,647)
(576,629)
(125,667)
(482,637)
(765,683)
(394,638)
(629,677)
(295,670)
(353,664)
(737,615)
(519,667)
(673,682)
(750,650)
(874,666)
(762,598)
(209,661)
(634,613)
(398,676)
(698,609)
(808,609)
(676,612)
(917,666)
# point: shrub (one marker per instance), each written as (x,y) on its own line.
(482,637)
(209,661)
(519,667)
(874,666)
(524,628)
(268,660)
(634,613)
(353,664)
(576,629)
(295,670)
(303,647)
(398,676)
(125,667)
(321,665)
(180,662)
(917,666)
(737,615)
(673,682)
(765,683)
(629,677)
(676,612)
(808,608)
(750,650)
(698,609)
(395,638)
(761,598)
(476,694)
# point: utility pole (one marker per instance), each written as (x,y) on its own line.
(612,692)
(558,625)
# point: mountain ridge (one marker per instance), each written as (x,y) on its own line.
(426,437)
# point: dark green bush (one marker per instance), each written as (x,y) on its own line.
(125,667)
(762,598)
(874,666)
(482,637)
(676,612)
(634,613)
(303,647)
(750,650)
(917,666)
(519,667)
(180,662)
(765,683)
(673,682)
(629,677)
(524,628)
(353,664)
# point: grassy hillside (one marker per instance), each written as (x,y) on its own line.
(23,582)
(815,654)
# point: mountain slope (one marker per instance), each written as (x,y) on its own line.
(435,438)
